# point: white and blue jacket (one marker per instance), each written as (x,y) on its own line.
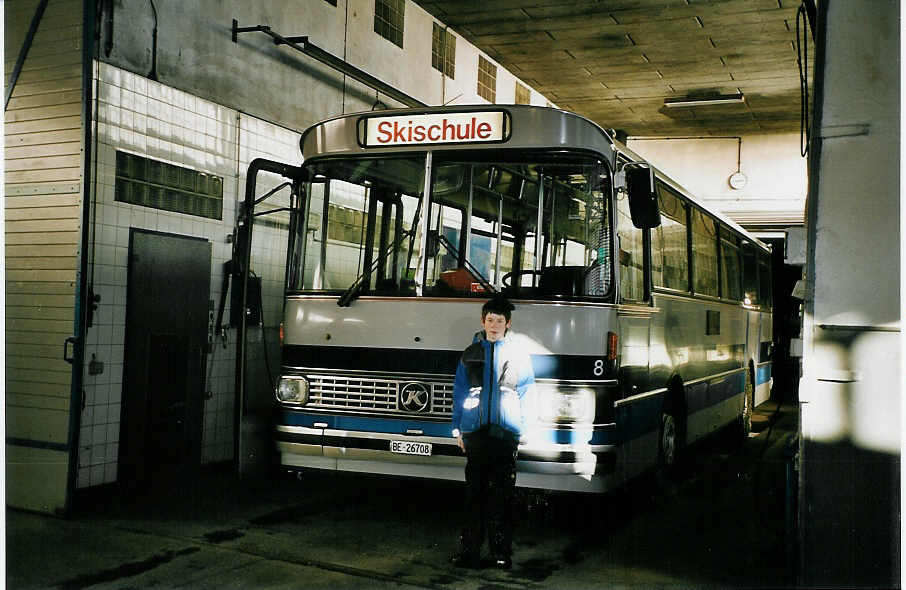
(492,379)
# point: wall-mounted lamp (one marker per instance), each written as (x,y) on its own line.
(704,100)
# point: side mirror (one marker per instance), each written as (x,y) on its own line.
(642,196)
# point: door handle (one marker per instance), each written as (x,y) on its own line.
(66,356)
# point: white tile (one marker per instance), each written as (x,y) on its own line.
(141,85)
(140,123)
(121,255)
(127,100)
(110,472)
(116,409)
(116,369)
(113,431)
(99,433)
(97,475)
(84,455)
(140,104)
(116,397)
(84,480)
(117,354)
(98,454)
(105,330)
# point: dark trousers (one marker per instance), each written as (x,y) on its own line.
(490,490)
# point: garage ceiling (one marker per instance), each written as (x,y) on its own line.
(616,62)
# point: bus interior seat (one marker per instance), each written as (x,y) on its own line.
(562,281)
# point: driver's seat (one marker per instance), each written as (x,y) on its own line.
(562,281)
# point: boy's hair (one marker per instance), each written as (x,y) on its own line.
(499,305)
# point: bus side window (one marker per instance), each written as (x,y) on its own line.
(631,254)
(669,254)
(704,253)
(731,266)
(765,295)
(750,274)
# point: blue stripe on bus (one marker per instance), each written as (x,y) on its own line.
(633,419)
(763,374)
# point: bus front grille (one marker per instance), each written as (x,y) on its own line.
(366,394)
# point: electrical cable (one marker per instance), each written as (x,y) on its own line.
(802,60)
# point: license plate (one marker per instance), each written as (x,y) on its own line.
(405,447)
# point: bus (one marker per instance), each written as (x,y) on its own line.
(647,316)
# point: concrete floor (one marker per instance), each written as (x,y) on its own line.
(722,522)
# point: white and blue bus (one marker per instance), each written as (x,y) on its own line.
(647,316)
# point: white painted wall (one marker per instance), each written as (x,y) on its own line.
(776,174)
(276,83)
(851,390)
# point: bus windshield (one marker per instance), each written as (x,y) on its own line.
(533,226)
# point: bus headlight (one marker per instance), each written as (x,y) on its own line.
(292,389)
(575,405)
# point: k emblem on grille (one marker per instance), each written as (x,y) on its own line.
(414,397)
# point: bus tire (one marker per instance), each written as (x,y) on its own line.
(672,431)
(742,427)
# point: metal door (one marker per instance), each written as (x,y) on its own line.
(166,335)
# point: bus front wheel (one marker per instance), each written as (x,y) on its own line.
(667,442)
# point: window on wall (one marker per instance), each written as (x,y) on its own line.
(443,51)
(331,2)
(669,254)
(149,183)
(704,253)
(487,80)
(523,94)
(388,20)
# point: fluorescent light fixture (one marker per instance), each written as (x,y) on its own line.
(704,100)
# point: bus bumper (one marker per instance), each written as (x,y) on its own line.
(553,467)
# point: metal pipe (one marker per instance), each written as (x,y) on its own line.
(536,265)
(302,44)
(153,73)
(23,53)
(467,222)
(423,239)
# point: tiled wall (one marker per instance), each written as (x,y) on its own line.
(141,116)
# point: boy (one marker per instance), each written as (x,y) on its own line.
(492,378)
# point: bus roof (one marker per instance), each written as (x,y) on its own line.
(455,127)
(513,127)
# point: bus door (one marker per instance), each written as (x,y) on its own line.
(634,314)
(751,301)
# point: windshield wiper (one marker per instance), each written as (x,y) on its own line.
(355,289)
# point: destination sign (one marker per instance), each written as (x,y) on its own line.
(398,130)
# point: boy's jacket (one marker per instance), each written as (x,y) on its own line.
(491,381)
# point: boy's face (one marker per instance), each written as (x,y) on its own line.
(495,326)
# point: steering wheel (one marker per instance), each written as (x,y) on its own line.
(516,273)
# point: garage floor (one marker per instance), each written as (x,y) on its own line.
(721,523)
